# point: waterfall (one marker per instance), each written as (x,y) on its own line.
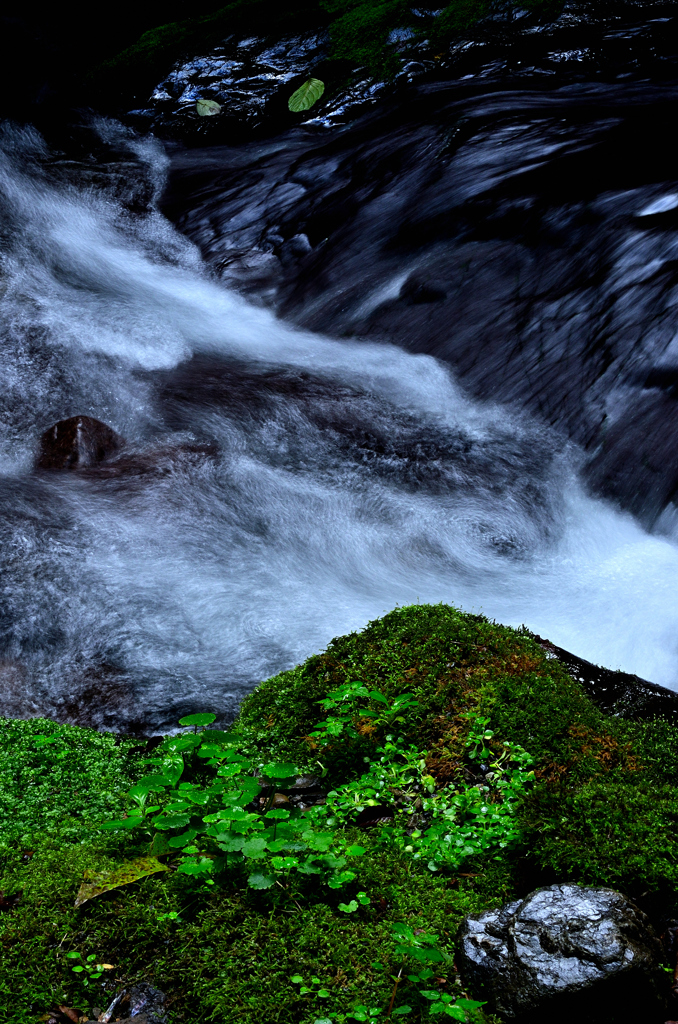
(338,479)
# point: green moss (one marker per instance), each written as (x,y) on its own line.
(616,777)
(361,31)
(603,810)
(58,779)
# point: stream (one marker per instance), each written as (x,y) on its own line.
(344,385)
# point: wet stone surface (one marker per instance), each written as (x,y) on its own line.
(77,443)
(565,953)
(520,227)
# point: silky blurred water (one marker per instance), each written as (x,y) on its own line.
(349,478)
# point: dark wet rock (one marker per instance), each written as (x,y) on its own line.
(251,79)
(418,288)
(565,953)
(518,226)
(94,450)
(153,461)
(77,443)
(617,693)
(96,696)
(140,1004)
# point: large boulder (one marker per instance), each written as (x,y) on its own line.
(565,953)
(77,443)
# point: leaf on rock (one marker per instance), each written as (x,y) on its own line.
(96,882)
(306,95)
(206,108)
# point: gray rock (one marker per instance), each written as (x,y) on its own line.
(566,953)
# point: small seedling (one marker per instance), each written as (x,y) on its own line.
(89,966)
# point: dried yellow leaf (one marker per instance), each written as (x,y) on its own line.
(96,882)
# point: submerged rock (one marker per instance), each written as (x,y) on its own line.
(95,450)
(564,953)
(76,443)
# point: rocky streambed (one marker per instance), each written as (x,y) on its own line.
(396,350)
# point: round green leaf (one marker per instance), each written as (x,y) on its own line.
(306,95)
(259,881)
(172,821)
(176,842)
(206,108)
(205,718)
(281,770)
(254,847)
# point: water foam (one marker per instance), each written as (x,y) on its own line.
(367,479)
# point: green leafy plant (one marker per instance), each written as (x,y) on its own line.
(314,987)
(88,968)
(423,948)
(224,825)
(443,826)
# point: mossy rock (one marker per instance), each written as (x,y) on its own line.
(603,810)
(604,805)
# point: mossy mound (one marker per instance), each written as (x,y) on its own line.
(602,810)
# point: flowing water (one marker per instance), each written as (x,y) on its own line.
(336,480)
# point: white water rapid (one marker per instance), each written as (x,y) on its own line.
(349,478)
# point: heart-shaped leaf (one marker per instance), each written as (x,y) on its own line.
(306,95)
(206,108)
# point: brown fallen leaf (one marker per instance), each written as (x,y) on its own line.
(96,882)
(69,1012)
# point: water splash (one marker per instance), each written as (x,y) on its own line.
(350,477)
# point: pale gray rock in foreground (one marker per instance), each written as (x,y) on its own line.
(565,953)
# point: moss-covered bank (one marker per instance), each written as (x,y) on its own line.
(602,808)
